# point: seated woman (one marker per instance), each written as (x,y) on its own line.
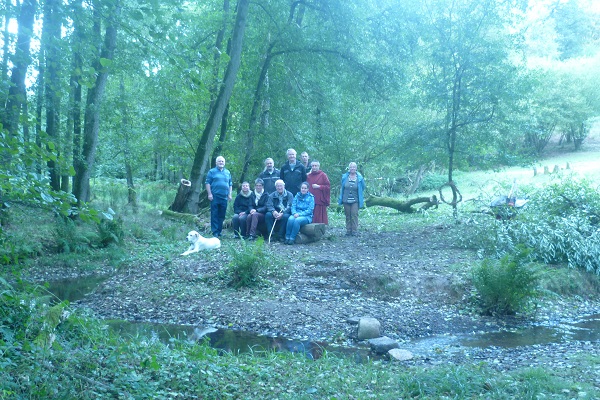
(241,209)
(302,213)
(258,208)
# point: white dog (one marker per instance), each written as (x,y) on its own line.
(197,243)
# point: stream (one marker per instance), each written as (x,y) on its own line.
(586,329)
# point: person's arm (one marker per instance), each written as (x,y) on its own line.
(210,196)
(295,205)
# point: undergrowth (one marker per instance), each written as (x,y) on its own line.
(505,286)
(560,224)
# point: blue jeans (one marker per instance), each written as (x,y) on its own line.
(281,223)
(218,209)
(293,226)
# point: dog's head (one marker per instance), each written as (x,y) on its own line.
(193,236)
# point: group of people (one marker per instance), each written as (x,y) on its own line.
(284,199)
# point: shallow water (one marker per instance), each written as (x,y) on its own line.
(584,329)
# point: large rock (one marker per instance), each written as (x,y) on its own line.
(368,328)
(400,355)
(382,345)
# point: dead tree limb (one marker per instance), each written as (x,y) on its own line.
(403,206)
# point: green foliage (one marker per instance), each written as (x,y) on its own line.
(248,263)
(110,231)
(68,238)
(433,181)
(505,286)
(559,224)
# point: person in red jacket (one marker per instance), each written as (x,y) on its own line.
(319,186)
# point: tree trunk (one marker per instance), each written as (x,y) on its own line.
(17,95)
(311,233)
(402,206)
(125,127)
(81,183)
(255,112)
(51,38)
(203,152)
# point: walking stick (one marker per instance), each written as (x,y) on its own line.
(273,227)
(270,233)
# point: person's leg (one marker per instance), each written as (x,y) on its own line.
(348,213)
(289,226)
(222,211)
(243,230)
(283,225)
(249,222)
(298,224)
(235,221)
(214,217)
(354,218)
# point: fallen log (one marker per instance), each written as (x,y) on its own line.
(403,206)
(311,233)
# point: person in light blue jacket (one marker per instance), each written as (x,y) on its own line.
(352,197)
(302,213)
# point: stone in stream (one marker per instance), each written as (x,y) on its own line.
(368,328)
(382,345)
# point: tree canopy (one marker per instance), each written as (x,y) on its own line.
(154,90)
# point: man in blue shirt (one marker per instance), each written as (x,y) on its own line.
(218,186)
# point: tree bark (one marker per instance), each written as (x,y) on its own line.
(17,95)
(402,206)
(81,183)
(254,113)
(51,55)
(203,152)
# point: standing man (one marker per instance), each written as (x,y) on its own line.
(269,175)
(292,173)
(218,186)
(304,159)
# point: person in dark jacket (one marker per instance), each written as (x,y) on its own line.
(241,209)
(279,208)
(269,175)
(292,173)
(258,208)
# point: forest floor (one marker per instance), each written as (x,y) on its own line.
(413,280)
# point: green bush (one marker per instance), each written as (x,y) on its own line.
(248,262)
(505,286)
(560,224)
(110,231)
(68,238)
(432,181)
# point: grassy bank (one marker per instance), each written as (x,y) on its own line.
(59,353)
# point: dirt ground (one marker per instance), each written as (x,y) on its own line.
(412,281)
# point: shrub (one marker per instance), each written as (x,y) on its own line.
(248,262)
(68,238)
(505,286)
(110,231)
(560,224)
